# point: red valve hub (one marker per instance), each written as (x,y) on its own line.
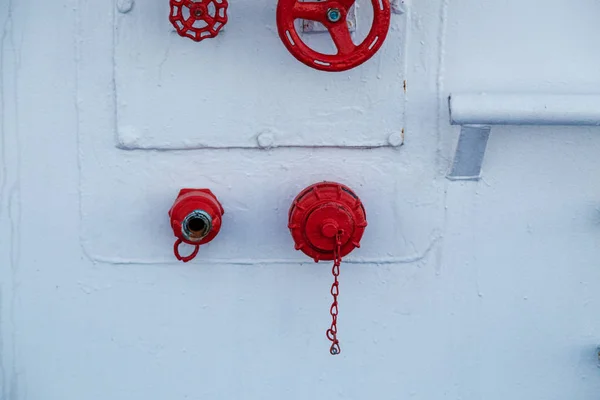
(196,219)
(333,15)
(321,212)
(198,19)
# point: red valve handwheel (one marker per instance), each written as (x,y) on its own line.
(196,218)
(321,212)
(198,19)
(332,14)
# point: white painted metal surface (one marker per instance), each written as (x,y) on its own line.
(500,300)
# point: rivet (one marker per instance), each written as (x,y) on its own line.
(124,6)
(396,139)
(265,140)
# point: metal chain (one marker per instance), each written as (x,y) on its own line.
(335,291)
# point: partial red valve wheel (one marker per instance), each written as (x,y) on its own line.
(198,19)
(323,213)
(196,219)
(333,15)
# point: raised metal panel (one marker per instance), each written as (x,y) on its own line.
(173,93)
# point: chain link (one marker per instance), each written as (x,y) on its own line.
(335,291)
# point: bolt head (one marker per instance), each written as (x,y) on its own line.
(265,140)
(124,6)
(329,228)
(396,139)
(334,15)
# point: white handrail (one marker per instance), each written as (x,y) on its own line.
(477,112)
(524,109)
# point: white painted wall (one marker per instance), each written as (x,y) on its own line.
(462,290)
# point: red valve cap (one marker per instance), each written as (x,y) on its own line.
(196,219)
(333,15)
(319,213)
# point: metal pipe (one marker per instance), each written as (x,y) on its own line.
(524,109)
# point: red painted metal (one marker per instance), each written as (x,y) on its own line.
(321,212)
(196,218)
(348,54)
(335,292)
(198,19)
(327,221)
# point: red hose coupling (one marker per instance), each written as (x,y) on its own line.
(323,214)
(196,218)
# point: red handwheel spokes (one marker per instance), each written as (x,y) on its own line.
(198,19)
(333,15)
